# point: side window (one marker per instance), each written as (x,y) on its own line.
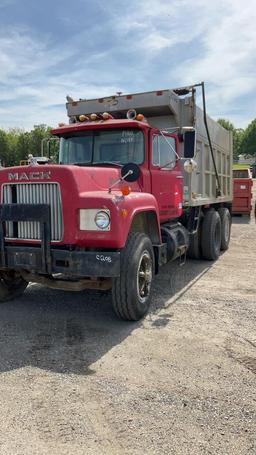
(164,152)
(155,151)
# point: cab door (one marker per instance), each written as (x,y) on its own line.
(166,175)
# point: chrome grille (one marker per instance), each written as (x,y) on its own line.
(35,193)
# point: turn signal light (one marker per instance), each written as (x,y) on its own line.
(125,190)
(61,124)
(124,213)
(140,117)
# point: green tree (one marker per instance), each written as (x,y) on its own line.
(39,133)
(238,134)
(16,144)
(248,144)
(4,147)
(226,124)
(13,137)
(23,144)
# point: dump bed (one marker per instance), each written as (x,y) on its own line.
(168,111)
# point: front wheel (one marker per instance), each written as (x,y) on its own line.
(11,285)
(131,291)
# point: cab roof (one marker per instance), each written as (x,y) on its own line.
(99,124)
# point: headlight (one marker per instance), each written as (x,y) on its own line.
(94,220)
(102,220)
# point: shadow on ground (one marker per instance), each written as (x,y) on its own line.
(67,332)
(241,219)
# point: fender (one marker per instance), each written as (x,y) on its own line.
(140,212)
(123,211)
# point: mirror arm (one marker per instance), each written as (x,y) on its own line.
(130,172)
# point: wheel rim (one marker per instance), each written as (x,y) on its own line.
(144,276)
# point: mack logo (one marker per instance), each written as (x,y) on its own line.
(45,175)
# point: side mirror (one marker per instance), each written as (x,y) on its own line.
(189,144)
(130,172)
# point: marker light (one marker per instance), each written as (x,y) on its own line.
(107,116)
(140,117)
(124,213)
(125,190)
(83,118)
(61,125)
(94,117)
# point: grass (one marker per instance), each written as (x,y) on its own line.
(241,166)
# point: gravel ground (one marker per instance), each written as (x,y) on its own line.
(75,380)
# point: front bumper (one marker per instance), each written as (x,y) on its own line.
(74,263)
(44,258)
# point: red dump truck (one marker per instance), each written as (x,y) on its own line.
(142,179)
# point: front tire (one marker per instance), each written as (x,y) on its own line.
(131,291)
(12,285)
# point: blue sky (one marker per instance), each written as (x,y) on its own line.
(95,48)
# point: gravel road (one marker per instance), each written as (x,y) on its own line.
(75,380)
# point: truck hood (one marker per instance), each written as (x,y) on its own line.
(72,178)
(79,188)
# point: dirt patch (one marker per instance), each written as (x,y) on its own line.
(74,379)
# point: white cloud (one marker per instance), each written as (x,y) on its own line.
(228,59)
(36,78)
(178,42)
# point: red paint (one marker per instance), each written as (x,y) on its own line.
(242,188)
(156,190)
(167,187)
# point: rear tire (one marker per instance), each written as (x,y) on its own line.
(211,235)
(225,219)
(12,285)
(131,292)
(194,249)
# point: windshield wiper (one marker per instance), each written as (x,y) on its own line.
(96,163)
(110,163)
(81,163)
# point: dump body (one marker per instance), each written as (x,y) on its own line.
(242,201)
(169,112)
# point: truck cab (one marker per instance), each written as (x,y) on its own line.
(114,143)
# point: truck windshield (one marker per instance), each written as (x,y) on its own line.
(113,146)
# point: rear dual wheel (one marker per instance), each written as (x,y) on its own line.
(194,249)
(226,220)
(216,229)
(211,235)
